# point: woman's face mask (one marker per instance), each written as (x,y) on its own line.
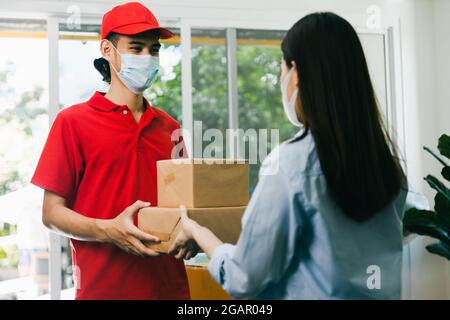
(290,102)
(137,72)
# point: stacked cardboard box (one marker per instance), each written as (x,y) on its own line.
(215,194)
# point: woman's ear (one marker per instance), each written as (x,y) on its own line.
(295,74)
(293,83)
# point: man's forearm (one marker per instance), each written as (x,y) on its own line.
(69,223)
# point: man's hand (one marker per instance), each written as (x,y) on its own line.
(123,233)
(185,246)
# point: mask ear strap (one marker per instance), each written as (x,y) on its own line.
(117,50)
(112,66)
(287,77)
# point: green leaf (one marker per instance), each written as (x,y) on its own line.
(438,158)
(446,173)
(439,248)
(425,223)
(438,186)
(442,208)
(444,145)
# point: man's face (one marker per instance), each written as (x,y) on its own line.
(145,43)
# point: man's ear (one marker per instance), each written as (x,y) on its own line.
(106,49)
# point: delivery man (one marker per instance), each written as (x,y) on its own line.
(98,167)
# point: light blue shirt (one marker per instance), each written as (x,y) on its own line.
(296,243)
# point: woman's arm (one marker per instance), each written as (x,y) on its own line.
(266,246)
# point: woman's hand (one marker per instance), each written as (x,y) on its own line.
(193,236)
(185,246)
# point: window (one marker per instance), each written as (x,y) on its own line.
(165,93)
(23,130)
(209,87)
(260,105)
(78,79)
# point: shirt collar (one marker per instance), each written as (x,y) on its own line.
(99,102)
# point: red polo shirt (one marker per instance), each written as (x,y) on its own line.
(101,161)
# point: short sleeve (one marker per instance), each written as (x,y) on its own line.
(60,165)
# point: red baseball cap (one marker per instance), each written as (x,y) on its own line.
(131,18)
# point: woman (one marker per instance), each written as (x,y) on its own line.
(328,223)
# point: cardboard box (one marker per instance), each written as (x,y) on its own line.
(198,183)
(224,222)
(202,286)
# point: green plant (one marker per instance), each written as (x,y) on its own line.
(435,224)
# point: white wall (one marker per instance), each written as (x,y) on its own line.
(426,48)
(425,52)
(441,11)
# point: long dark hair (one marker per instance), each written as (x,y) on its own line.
(339,108)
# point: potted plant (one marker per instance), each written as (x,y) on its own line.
(435,224)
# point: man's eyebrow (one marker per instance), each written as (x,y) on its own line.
(156,45)
(137,42)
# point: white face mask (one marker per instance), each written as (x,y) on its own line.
(137,72)
(289,104)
